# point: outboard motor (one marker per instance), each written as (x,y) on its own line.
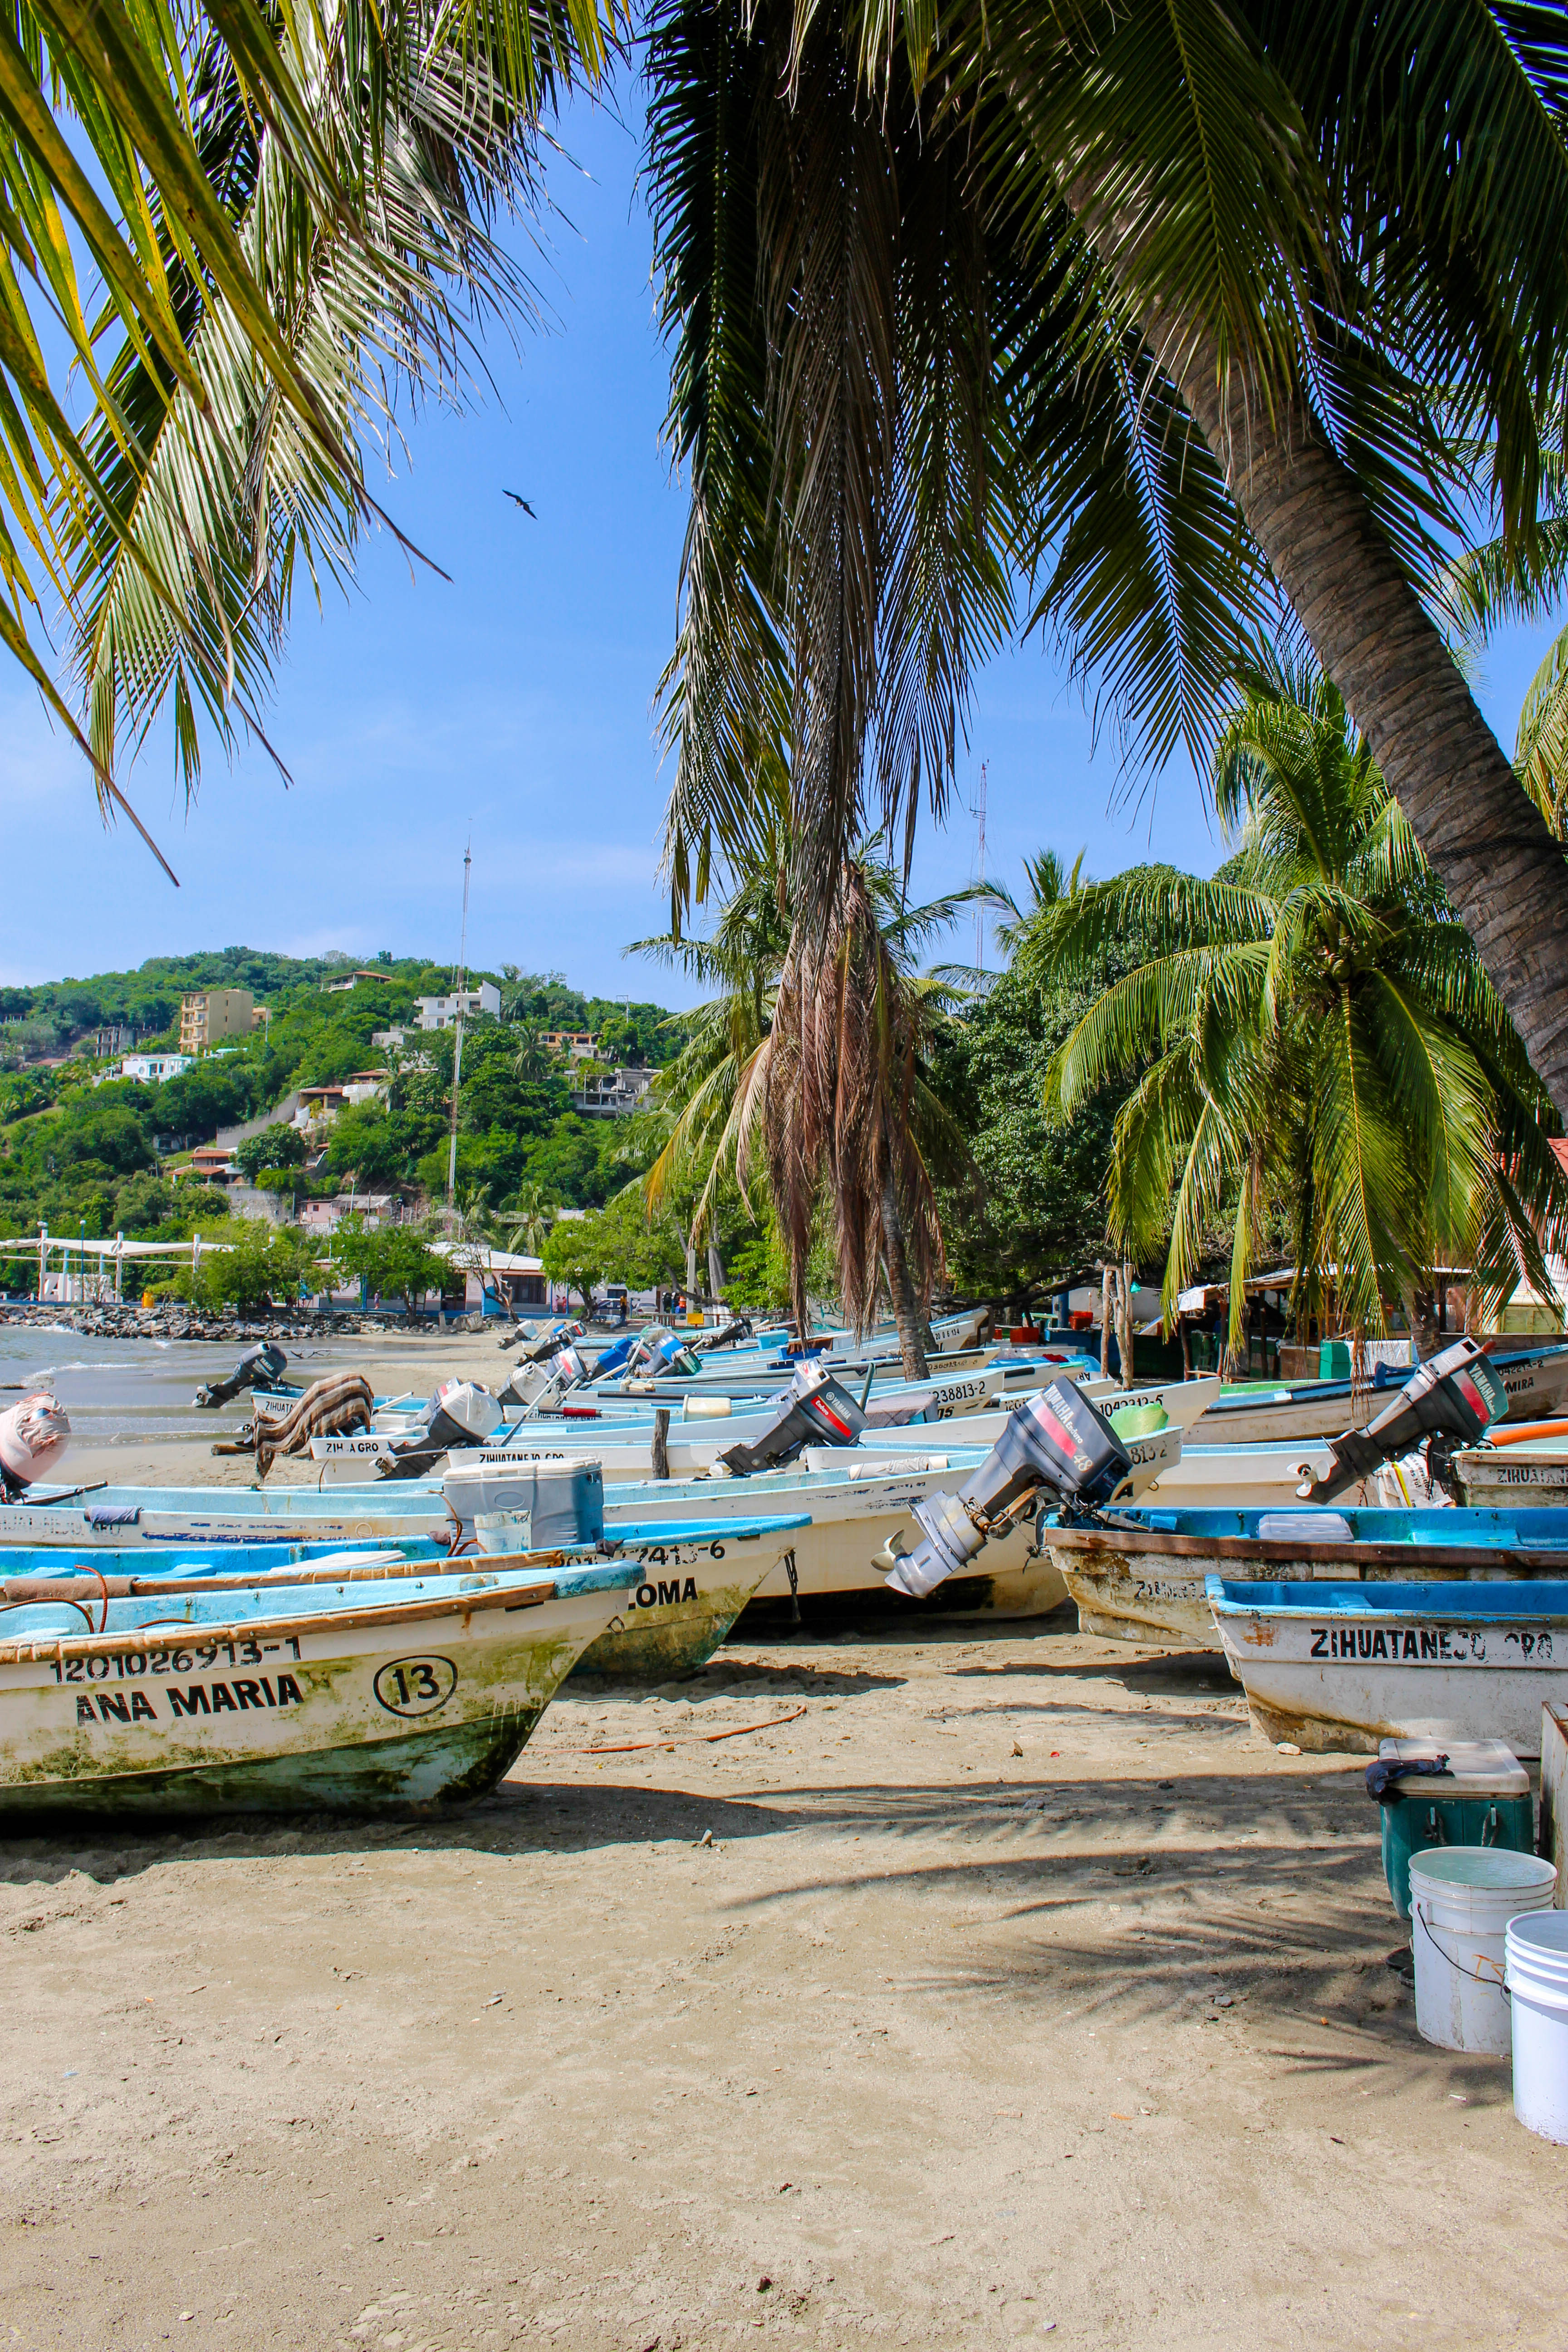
(617,1357)
(261,1366)
(1060,1441)
(33,1436)
(738,1328)
(815,1410)
(1451,1402)
(539,1387)
(459,1415)
(534,1341)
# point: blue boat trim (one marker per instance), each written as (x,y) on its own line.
(1234,1597)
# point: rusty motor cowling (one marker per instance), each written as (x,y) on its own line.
(1451,1401)
(1062,1442)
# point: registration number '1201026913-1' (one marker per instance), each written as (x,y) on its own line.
(200,1657)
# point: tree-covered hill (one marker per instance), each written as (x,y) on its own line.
(74,1152)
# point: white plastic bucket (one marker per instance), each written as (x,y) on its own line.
(1461,1900)
(1537,1968)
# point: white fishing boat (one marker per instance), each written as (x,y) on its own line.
(853,1508)
(1346,1666)
(693,1579)
(1142,1575)
(1245,1477)
(1255,1412)
(695,1444)
(316,1695)
(1529,1469)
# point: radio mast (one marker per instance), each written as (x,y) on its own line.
(457,1041)
(977,809)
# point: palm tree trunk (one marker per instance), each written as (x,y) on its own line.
(1505,874)
(906,1305)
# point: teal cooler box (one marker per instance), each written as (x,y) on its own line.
(1482,1798)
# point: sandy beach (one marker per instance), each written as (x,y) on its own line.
(1021,1991)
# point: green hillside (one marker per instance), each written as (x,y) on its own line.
(76,1153)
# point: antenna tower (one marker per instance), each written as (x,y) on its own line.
(977,811)
(457,1041)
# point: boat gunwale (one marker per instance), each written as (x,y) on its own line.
(1135,1540)
(1349,1598)
(42,1648)
(19,1592)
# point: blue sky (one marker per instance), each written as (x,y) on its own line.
(516,698)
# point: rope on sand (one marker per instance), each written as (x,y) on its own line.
(698,1739)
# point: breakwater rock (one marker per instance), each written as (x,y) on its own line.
(172,1319)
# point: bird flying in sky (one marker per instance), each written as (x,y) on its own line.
(517,501)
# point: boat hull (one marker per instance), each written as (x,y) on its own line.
(1324,1677)
(412,1709)
(685,1601)
(1151,1586)
(1533,1476)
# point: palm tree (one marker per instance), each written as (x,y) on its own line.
(532,1059)
(1172,307)
(1496,583)
(291,216)
(1150,299)
(837,1098)
(1312,1032)
(532,1213)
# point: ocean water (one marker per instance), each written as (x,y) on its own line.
(121,1391)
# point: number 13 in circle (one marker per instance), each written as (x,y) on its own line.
(415,1686)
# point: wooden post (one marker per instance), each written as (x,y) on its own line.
(1107,1296)
(1183,1333)
(661,1442)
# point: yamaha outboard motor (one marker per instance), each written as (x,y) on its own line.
(1451,1402)
(459,1415)
(813,1410)
(34,1435)
(261,1366)
(1062,1442)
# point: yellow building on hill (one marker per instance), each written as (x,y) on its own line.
(212,1014)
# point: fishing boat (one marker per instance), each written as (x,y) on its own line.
(1246,1477)
(696,1441)
(743,1411)
(1142,1575)
(374,1696)
(1259,1413)
(853,1507)
(694,1577)
(1331,1665)
(1526,1465)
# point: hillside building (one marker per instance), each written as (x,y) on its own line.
(211,1015)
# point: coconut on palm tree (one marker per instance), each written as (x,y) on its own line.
(1313,1035)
